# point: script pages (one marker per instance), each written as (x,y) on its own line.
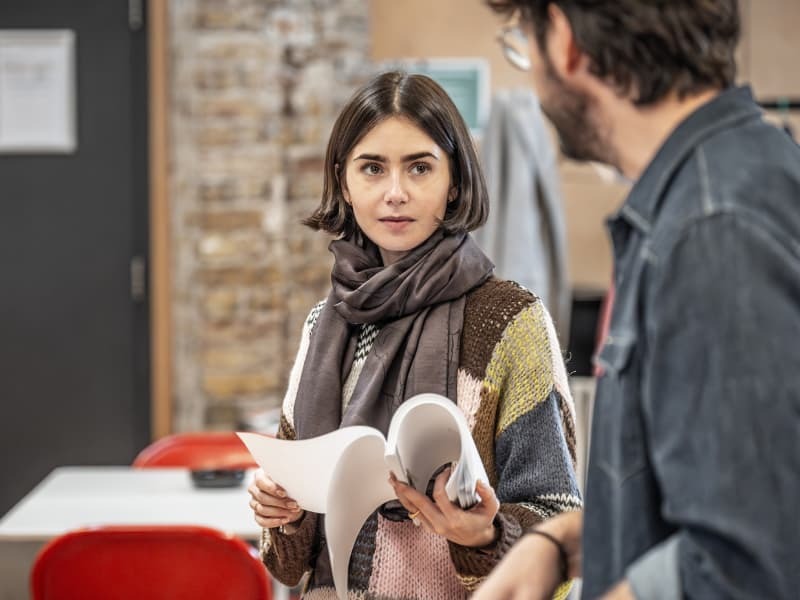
(344,474)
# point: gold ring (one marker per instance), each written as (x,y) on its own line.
(414,515)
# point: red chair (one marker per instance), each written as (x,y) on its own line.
(148,563)
(203,450)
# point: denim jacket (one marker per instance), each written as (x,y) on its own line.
(694,474)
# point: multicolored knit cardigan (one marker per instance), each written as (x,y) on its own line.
(512,388)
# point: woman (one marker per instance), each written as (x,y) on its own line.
(414,308)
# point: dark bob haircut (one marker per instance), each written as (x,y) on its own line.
(423,102)
(646,50)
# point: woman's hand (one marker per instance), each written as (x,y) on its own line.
(269,503)
(473,527)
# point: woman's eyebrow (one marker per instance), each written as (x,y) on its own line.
(408,158)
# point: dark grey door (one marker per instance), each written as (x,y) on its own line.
(73,337)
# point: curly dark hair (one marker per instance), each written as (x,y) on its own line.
(646,48)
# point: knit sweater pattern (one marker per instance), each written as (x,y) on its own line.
(512,388)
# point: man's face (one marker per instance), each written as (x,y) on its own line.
(569,109)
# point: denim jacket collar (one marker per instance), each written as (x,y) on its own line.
(729,107)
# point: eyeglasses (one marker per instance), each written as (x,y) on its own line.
(514,44)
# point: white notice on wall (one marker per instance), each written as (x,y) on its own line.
(37,91)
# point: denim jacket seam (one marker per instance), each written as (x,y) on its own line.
(635,218)
(660,256)
(739,113)
(706,199)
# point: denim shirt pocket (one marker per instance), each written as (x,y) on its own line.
(616,353)
(618,411)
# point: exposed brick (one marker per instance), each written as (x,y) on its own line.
(256,85)
(236,247)
(271,329)
(267,299)
(229,108)
(226,220)
(242,384)
(216,191)
(237,358)
(238,275)
(233,133)
(220,305)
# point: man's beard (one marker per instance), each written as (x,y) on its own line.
(580,136)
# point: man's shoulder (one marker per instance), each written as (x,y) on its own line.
(750,172)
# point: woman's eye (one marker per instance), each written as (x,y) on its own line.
(372,169)
(420,168)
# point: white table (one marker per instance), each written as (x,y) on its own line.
(73,497)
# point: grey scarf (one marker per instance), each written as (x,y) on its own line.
(418,302)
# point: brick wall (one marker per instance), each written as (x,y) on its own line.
(256,85)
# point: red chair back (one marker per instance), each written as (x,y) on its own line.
(148,563)
(203,450)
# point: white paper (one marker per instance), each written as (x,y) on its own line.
(305,468)
(345,474)
(37,91)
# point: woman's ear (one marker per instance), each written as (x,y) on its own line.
(342,183)
(452,194)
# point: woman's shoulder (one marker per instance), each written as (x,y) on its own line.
(498,300)
(491,312)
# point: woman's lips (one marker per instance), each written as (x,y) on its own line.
(396,223)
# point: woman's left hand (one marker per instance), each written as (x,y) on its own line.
(473,527)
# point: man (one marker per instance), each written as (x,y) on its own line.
(694,473)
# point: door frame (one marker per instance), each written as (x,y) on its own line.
(160,246)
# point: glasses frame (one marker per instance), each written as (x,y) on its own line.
(515,52)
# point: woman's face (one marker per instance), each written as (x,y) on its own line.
(397,180)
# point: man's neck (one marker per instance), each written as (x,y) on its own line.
(637,133)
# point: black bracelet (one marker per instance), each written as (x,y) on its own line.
(563,560)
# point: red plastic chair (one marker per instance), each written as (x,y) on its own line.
(203,450)
(148,563)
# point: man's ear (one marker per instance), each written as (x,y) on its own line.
(564,54)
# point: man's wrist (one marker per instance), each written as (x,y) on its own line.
(563,558)
(566,529)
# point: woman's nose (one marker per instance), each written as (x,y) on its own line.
(396,193)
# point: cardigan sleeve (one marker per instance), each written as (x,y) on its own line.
(534,437)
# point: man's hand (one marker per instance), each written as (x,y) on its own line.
(531,570)
(621,591)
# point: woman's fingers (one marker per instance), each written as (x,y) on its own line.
(265,484)
(273,516)
(413,501)
(270,504)
(488,499)
(266,491)
(268,516)
(471,527)
(270,512)
(440,495)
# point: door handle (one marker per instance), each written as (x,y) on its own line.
(138,280)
